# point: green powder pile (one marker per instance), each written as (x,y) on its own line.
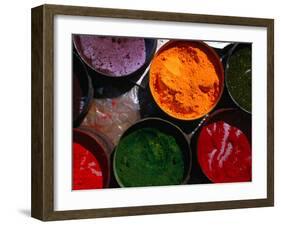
(239,78)
(149,157)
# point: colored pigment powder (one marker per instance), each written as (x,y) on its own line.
(114,56)
(148,157)
(184,81)
(239,78)
(224,153)
(87,173)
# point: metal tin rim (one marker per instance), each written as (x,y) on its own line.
(90,94)
(172,42)
(226,74)
(217,112)
(85,132)
(189,152)
(74,40)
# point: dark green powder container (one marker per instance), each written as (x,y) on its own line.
(152,152)
(238,76)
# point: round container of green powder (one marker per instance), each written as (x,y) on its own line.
(152,152)
(238,76)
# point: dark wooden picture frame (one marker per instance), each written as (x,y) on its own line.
(42,203)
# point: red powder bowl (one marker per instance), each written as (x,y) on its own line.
(224,146)
(90,160)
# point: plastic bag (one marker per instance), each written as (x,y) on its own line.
(113,116)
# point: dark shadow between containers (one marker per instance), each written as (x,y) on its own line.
(196,176)
(167,128)
(82,90)
(113,182)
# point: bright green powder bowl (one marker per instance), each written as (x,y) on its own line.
(152,152)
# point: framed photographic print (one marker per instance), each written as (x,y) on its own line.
(141,112)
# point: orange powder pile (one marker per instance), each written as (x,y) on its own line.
(184,81)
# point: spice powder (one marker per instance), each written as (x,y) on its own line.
(184,80)
(87,172)
(149,157)
(224,153)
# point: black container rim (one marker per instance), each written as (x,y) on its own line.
(100,73)
(210,117)
(219,64)
(185,137)
(103,145)
(235,48)
(77,121)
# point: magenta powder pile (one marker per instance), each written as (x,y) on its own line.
(113,56)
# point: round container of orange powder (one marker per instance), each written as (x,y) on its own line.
(186,79)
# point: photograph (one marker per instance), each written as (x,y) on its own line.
(159,112)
